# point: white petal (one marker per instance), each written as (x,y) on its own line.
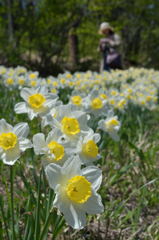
(25,93)
(55,135)
(50,100)
(74,216)
(53,173)
(96,137)
(21,129)
(52,136)
(101,124)
(39,143)
(94,94)
(110,114)
(31,114)
(55,123)
(93,175)
(44,122)
(93,205)
(11,156)
(5,127)
(76,114)
(86,160)
(72,167)
(88,135)
(21,108)
(83,122)
(65,110)
(42,89)
(24,143)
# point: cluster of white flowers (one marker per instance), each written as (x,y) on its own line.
(68,151)
(138,86)
(71,148)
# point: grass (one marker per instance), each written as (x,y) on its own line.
(130,188)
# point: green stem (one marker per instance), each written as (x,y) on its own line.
(37,217)
(45,228)
(59,226)
(12,200)
(50,201)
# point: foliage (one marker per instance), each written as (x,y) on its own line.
(35,33)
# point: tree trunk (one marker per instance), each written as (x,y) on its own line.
(73,49)
(10,21)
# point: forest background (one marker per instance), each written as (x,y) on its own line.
(52,36)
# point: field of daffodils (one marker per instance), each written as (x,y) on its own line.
(79,155)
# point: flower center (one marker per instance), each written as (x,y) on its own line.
(103,96)
(76,100)
(149,98)
(111,123)
(62,80)
(53,90)
(114,93)
(10,81)
(129,90)
(32,75)
(112,101)
(70,126)
(90,149)
(55,84)
(36,100)
(8,140)
(56,149)
(121,103)
(78,189)
(21,81)
(97,103)
(33,83)
(69,75)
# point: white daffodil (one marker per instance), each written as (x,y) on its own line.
(21,81)
(94,104)
(37,101)
(20,70)
(55,148)
(111,125)
(72,123)
(48,118)
(13,141)
(75,190)
(121,104)
(32,75)
(76,99)
(87,148)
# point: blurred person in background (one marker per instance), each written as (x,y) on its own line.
(108,46)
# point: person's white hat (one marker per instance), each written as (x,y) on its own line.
(104,26)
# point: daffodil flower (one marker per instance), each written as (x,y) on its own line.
(87,148)
(76,190)
(76,99)
(55,148)
(111,125)
(13,141)
(94,104)
(72,123)
(37,101)
(48,118)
